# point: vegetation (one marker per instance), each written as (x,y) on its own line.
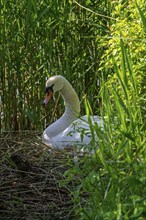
(99,46)
(39,40)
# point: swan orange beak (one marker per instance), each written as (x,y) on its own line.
(49,95)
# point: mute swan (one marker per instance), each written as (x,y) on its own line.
(69,130)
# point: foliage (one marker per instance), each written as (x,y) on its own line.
(111,183)
(39,39)
(129,29)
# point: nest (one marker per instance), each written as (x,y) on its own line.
(30,177)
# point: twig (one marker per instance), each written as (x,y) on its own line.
(88,9)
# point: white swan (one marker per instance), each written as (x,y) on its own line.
(67,130)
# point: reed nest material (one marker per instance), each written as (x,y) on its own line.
(30,177)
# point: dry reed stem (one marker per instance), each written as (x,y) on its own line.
(29,179)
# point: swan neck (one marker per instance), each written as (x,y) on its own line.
(72,103)
(72,110)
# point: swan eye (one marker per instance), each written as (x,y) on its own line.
(49,88)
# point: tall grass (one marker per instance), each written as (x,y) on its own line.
(39,39)
(111,183)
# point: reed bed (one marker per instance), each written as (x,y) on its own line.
(39,39)
(30,177)
(100,48)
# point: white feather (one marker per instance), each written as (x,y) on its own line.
(69,130)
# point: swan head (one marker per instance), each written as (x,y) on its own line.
(53,84)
